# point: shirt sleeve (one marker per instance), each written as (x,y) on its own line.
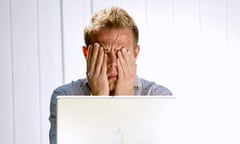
(52,117)
(161,90)
(145,87)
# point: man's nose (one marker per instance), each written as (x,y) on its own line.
(112,59)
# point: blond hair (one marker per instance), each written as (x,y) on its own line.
(113,17)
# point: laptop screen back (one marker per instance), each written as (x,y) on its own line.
(111,120)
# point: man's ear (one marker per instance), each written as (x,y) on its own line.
(136,52)
(85,51)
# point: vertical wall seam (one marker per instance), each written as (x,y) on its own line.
(62,40)
(227,22)
(39,71)
(12,72)
(200,15)
(91,6)
(146,13)
(172,8)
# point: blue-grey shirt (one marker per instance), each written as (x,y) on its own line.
(80,87)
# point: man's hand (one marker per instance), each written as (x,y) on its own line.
(126,73)
(97,70)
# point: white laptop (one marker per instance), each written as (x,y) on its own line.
(111,120)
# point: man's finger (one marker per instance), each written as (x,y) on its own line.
(126,54)
(128,61)
(89,57)
(93,59)
(99,62)
(120,69)
(122,64)
(104,65)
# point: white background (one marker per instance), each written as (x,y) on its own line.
(190,46)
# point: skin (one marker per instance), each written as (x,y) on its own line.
(111,62)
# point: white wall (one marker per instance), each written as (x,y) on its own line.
(190,46)
(30,67)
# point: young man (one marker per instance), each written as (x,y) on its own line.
(111,52)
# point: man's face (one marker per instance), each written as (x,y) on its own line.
(113,40)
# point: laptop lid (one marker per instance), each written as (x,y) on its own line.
(111,120)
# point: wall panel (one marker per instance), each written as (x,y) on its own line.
(213,41)
(207,77)
(233,78)
(6,105)
(184,44)
(156,41)
(233,17)
(50,58)
(25,46)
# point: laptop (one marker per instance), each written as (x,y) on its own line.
(111,120)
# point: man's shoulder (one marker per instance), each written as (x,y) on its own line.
(77,87)
(73,88)
(152,88)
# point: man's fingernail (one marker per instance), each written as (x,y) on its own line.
(96,44)
(102,49)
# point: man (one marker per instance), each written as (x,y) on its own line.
(111,52)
